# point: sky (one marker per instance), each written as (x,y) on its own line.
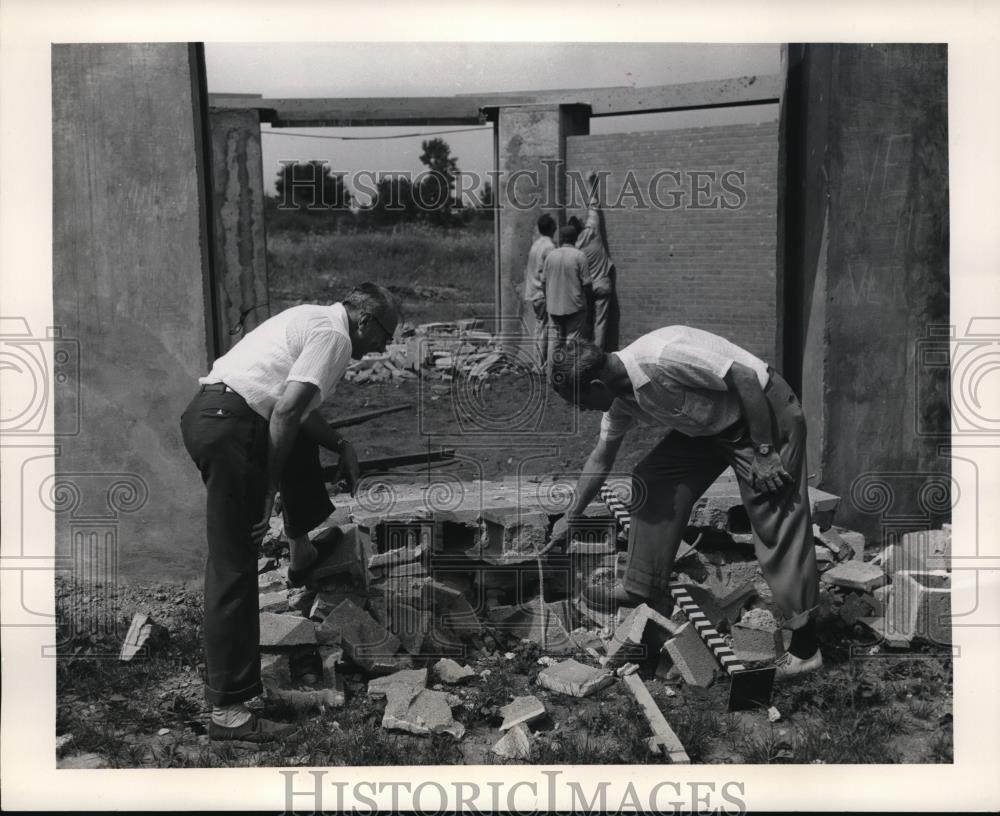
(442,69)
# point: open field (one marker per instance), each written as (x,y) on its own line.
(438,274)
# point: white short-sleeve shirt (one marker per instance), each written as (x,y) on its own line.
(677,379)
(307,343)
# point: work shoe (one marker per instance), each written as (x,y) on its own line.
(606,598)
(788,665)
(253,730)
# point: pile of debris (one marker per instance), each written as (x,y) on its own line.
(438,351)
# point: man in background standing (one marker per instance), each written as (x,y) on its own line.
(534,285)
(567,291)
(591,241)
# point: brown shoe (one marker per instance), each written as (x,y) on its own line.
(607,598)
(253,730)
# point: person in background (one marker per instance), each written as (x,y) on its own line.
(567,291)
(591,241)
(534,285)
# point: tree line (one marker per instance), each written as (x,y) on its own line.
(310,195)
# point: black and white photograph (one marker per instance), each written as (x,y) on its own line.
(497,418)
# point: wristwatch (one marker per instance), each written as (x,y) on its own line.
(763,449)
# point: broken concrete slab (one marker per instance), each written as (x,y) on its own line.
(393,558)
(721,507)
(411,625)
(300,599)
(575,679)
(757,636)
(419,711)
(845,545)
(266,564)
(515,744)
(523,709)
(643,632)
(142,633)
(461,618)
(273,580)
(920,606)
(411,678)
(448,671)
(921,551)
(363,639)
(891,638)
(310,699)
(855,575)
(284,631)
(691,657)
(387,664)
(584,639)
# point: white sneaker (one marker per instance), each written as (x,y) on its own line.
(789,665)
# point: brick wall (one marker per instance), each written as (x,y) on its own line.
(708,260)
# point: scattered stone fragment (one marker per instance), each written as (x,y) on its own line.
(387,664)
(545,660)
(448,671)
(363,639)
(584,639)
(575,679)
(509,656)
(273,580)
(773,715)
(142,632)
(411,678)
(524,709)
(273,602)
(890,637)
(855,575)
(461,618)
(345,554)
(419,711)
(510,535)
(411,625)
(857,606)
(281,631)
(692,657)
(266,564)
(920,606)
(163,732)
(400,555)
(644,628)
(515,744)
(627,669)
(311,699)
(757,636)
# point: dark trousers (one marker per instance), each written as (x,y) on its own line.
(675,473)
(228,442)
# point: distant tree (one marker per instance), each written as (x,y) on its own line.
(311,186)
(437,186)
(487,202)
(393,201)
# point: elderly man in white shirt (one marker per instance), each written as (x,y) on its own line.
(720,406)
(253,427)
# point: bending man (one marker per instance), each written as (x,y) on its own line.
(253,428)
(719,405)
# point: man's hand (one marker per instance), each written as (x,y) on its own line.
(560,530)
(768,474)
(259,530)
(350,470)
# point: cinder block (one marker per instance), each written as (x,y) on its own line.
(524,709)
(510,536)
(692,657)
(411,678)
(920,606)
(346,556)
(757,642)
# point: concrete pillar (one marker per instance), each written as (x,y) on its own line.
(240,245)
(131,269)
(865,265)
(531,156)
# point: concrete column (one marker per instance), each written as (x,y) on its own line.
(238,211)
(866,272)
(131,269)
(531,162)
